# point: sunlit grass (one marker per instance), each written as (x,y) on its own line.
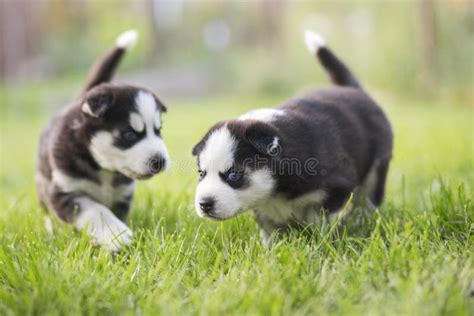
(414,256)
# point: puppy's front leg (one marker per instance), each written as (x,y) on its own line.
(265,228)
(265,235)
(106,229)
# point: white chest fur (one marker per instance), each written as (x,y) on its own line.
(107,193)
(279,210)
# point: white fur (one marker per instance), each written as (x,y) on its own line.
(266,115)
(275,144)
(105,192)
(231,202)
(279,210)
(86,108)
(134,161)
(305,208)
(362,194)
(104,227)
(313,41)
(48,224)
(157,121)
(218,155)
(136,122)
(148,110)
(146,107)
(370,181)
(338,216)
(127,39)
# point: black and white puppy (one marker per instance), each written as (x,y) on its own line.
(305,157)
(91,152)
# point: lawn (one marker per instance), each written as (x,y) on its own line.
(414,256)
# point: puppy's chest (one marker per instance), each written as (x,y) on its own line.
(280,211)
(108,189)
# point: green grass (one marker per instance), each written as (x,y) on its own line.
(414,256)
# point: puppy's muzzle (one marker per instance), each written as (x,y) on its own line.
(207,205)
(156,164)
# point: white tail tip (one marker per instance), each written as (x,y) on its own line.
(314,41)
(127,39)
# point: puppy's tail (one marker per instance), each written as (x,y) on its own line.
(104,69)
(339,73)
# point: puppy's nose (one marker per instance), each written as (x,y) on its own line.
(156,164)
(207,205)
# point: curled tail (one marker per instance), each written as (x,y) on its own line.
(104,69)
(339,73)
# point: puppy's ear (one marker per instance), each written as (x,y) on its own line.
(198,147)
(97,105)
(264,137)
(160,104)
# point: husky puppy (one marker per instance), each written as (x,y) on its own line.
(305,157)
(91,152)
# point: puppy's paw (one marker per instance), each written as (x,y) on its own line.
(113,234)
(102,225)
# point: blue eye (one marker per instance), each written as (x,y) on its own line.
(234,176)
(129,136)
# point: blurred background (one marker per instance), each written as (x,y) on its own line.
(213,60)
(421,48)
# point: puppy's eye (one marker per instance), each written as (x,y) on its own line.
(129,136)
(233,176)
(202,174)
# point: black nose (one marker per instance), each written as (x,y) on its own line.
(156,164)
(207,205)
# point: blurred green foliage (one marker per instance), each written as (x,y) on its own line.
(379,40)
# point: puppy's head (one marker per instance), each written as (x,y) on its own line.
(235,167)
(122,125)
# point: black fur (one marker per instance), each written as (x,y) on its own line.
(340,129)
(338,72)
(104,70)
(64,143)
(344,130)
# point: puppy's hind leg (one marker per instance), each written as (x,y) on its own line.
(375,189)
